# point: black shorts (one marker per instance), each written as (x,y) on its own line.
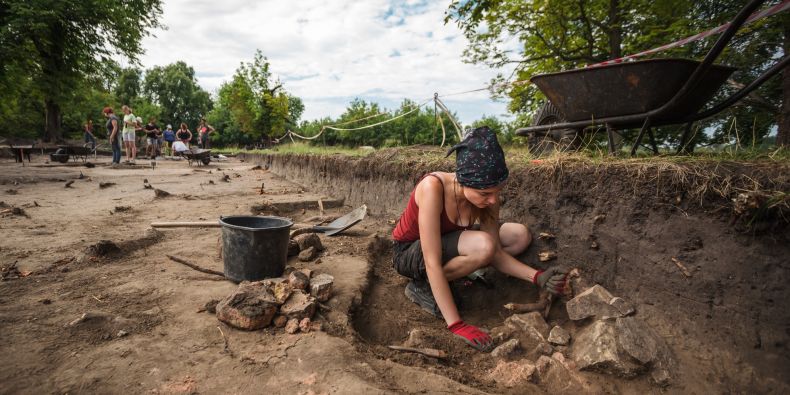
(407,257)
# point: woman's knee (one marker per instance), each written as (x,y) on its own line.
(478,246)
(515,238)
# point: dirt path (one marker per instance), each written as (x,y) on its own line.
(169,347)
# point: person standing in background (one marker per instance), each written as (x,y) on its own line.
(128,133)
(204,130)
(113,128)
(89,137)
(169,136)
(152,133)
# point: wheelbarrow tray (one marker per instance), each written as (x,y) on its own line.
(198,155)
(630,88)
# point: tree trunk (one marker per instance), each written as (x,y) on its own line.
(615,30)
(52,130)
(783,118)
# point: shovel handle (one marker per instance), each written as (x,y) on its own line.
(206,224)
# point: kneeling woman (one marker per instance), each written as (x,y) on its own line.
(438,240)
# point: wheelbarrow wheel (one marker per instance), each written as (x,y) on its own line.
(206,160)
(555,140)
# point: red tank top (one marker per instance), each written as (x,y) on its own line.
(408,230)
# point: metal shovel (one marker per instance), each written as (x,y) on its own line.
(337,225)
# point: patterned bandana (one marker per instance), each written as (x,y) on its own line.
(479,160)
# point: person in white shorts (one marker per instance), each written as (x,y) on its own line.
(128,133)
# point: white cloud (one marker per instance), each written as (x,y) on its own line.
(328,52)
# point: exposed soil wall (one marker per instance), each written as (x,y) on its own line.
(622,223)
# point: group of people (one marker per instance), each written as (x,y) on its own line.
(124,131)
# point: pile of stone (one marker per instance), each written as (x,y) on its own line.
(288,302)
(608,339)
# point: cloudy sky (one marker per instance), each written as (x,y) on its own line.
(328,52)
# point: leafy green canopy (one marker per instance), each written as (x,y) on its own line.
(254,106)
(49,48)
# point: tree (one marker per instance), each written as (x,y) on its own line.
(56,43)
(175,90)
(128,86)
(255,105)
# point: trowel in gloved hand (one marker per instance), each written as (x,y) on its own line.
(337,225)
(480,275)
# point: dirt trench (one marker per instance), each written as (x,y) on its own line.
(720,308)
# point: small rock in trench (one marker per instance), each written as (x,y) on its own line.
(160,193)
(305,325)
(103,185)
(506,350)
(321,287)
(280,321)
(298,280)
(309,240)
(308,254)
(292,326)
(211,306)
(559,336)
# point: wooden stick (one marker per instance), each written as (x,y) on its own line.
(682,267)
(320,207)
(226,349)
(196,267)
(185,224)
(428,352)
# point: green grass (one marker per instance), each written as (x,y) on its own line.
(520,154)
(300,148)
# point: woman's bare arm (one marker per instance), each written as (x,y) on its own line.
(429,197)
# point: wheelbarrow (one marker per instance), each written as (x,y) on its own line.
(198,155)
(64,152)
(643,94)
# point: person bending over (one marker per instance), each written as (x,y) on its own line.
(450,228)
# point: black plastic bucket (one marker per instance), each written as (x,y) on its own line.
(254,248)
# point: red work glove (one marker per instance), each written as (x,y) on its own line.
(472,335)
(551,279)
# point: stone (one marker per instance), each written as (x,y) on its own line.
(624,347)
(280,321)
(308,254)
(511,374)
(506,350)
(595,348)
(251,306)
(501,334)
(299,305)
(596,302)
(307,272)
(559,336)
(305,325)
(529,320)
(321,287)
(282,291)
(316,327)
(121,333)
(623,306)
(292,326)
(543,348)
(308,240)
(298,280)
(554,376)
(639,341)
(293,248)
(211,306)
